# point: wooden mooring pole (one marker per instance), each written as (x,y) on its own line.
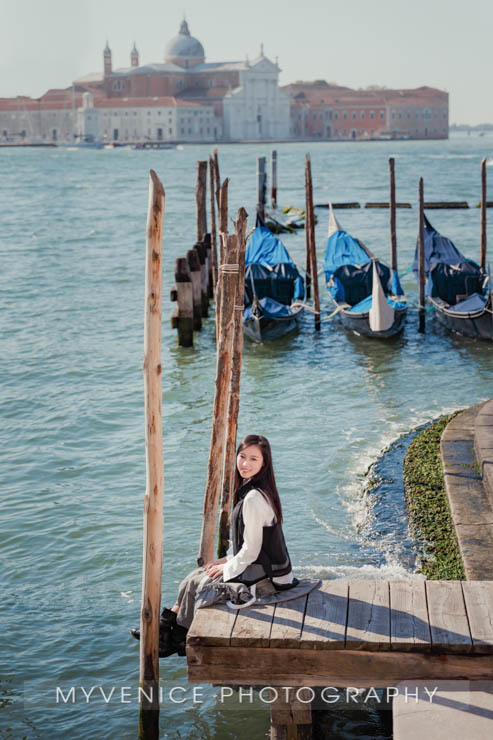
(200,200)
(201,250)
(182,292)
(194,265)
(310,238)
(261,187)
(273,179)
(228,278)
(217,177)
(154,495)
(223,234)
(223,215)
(482,261)
(393,233)
(421,259)
(212,200)
(234,394)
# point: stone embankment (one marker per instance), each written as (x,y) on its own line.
(459,709)
(467,456)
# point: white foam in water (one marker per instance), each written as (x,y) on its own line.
(387,571)
(359,503)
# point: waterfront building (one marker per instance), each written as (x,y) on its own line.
(186,99)
(320,110)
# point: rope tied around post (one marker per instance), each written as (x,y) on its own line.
(229,268)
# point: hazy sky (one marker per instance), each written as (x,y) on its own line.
(396,43)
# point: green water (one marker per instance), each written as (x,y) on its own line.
(72,455)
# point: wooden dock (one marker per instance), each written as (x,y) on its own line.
(350,633)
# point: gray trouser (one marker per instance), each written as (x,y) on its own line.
(189,588)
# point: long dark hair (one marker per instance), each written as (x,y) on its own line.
(265,477)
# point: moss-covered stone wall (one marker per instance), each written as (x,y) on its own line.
(427,503)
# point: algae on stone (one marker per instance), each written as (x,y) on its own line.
(428,506)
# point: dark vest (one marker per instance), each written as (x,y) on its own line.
(273,560)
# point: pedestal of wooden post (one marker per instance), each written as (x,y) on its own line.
(208,247)
(182,292)
(291,715)
(194,265)
(201,250)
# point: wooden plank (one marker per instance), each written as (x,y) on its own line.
(478,597)
(252,627)
(409,628)
(459,709)
(448,619)
(368,624)
(212,625)
(359,668)
(325,616)
(288,623)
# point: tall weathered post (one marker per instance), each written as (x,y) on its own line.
(234,396)
(223,236)
(154,495)
(228,277)
(200,200)
(217,176)
(482,260)
(421,258)
(223,214)
(310,238)
(212,200)
(393,233)
(273,179)
(261,185)
(308,258)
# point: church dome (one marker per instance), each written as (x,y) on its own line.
(184,49)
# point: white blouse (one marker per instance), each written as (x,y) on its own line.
(257,513)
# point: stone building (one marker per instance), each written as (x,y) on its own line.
(323,111)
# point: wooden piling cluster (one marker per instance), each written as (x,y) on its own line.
(220,467)
(196,274)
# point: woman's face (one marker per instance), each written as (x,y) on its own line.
(250,461)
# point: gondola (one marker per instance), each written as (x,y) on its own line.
(273,286)
(458,288)
(367,293)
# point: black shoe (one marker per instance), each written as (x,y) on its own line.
(166,623)
(179,639)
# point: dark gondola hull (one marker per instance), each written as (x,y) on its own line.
(477,324)
(263,329)
(359,323)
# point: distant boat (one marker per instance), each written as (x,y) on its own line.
(457,287)
(87,142)
(153,145)
(367,293)
(273,286)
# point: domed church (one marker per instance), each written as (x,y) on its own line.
(211,101)
(184,49)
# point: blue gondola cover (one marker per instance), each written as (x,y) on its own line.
(437,248)
(270,309)
(267,250)
(473,303)
(365,305)
(342,249)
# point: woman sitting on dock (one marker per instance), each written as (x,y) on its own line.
(257,558)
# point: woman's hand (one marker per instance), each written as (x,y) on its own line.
(215,568)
